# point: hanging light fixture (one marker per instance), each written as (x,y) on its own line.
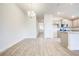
(31,13)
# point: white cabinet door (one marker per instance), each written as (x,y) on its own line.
(73,40)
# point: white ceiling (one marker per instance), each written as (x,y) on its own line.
(64,9)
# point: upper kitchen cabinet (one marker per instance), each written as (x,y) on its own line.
(75,23)
(66,21)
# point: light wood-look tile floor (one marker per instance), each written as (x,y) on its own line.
(37,47)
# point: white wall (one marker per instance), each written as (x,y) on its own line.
(50,29)
(14,26)
(48,33)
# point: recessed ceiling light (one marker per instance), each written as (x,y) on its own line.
(71,3)
(58,13)
(72,16)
